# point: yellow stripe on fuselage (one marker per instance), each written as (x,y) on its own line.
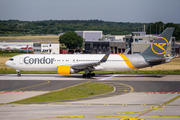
(127,61)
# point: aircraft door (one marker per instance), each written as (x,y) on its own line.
(21,60)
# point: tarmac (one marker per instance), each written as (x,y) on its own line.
(136,97)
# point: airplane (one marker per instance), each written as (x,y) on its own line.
(27,47)
(66,64)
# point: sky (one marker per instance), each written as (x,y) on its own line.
(141,11)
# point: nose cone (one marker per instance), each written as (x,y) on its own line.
(7,63)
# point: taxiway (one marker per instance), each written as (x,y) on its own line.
(136,96)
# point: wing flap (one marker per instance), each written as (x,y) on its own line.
(79,66)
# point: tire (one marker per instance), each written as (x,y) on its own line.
(84,75)
(92,74)
(19,75)
(89,75)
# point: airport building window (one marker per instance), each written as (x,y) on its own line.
(127,39)
(136,52)
(136,40)
(127,46)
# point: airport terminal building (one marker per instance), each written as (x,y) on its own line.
(46,48)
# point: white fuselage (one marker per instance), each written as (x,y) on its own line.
(41,62)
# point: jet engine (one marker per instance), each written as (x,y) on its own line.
(65,70)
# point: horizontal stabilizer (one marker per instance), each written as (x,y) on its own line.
(157,60)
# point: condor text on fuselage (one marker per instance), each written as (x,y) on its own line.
(43,60)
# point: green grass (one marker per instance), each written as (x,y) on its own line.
(10,54)
(86,89)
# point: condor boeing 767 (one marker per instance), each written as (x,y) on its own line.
(69,63)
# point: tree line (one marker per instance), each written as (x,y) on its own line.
(16,27)
(159,27)
(61,26)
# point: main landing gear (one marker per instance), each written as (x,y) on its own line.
(88,75)
(18,73)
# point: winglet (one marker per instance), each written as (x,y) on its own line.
(104,59)
(127,50)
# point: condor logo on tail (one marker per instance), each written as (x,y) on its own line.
(160,45)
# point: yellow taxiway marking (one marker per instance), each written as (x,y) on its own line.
(172,100)
(157,107)
(129,113)
(132,89)
(132,119)
(47,81)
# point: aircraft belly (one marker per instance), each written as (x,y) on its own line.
(38,68)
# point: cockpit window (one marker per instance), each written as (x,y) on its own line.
(11,59)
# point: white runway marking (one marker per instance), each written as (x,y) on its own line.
(107,77)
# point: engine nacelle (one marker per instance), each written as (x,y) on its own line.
(97,68)
(65,70)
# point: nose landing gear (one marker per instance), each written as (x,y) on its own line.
(18,73)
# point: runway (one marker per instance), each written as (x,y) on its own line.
(136,96)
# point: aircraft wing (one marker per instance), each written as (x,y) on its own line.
(82,66)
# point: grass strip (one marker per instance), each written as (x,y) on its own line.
(173,72)
(11,54)
(86,89)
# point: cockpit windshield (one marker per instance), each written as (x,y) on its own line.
(11,59)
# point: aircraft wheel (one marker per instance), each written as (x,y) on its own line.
(84,75)
(88,75)
(19,75)
(92,74)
